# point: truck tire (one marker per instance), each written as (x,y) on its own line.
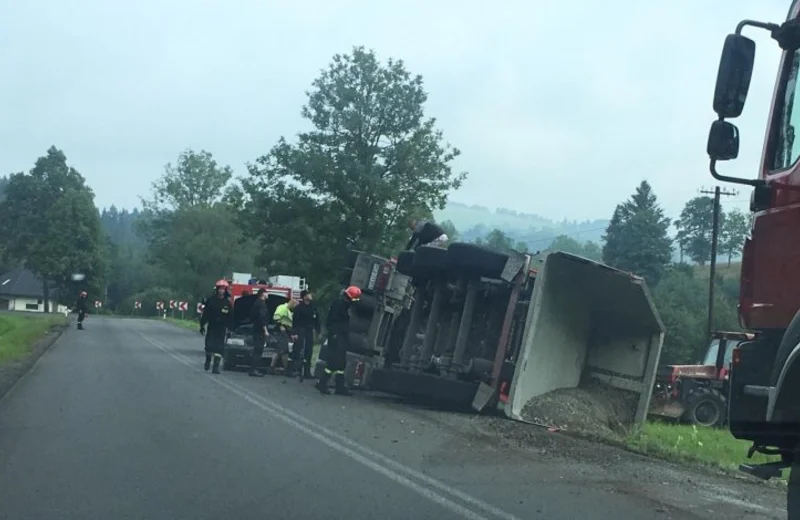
(405,263)
(352,258)
(707,407)
(429,261)
(789,340)
(359,324)
(345,275)
(366,304)
(357,343)
(793,491)
(476,260)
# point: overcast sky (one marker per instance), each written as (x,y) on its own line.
(558,110)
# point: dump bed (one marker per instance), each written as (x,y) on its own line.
(593,330)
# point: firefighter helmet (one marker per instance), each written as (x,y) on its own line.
(353,292)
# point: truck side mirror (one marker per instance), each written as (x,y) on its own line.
(733,76)
(723,141)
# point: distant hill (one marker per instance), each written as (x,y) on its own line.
(537,231)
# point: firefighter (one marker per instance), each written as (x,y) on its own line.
(82,307)
(338,328)
(306,322)
(218,315)
(426,232)
(259,316)
(284,321)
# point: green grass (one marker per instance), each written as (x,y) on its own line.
(723,270)
(19,333)
(710,447)
(186,324)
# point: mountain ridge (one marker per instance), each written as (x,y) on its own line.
(476,221)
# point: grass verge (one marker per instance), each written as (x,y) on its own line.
(711,447)
(186,324)
(18,334)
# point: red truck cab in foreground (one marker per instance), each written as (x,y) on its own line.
(764,401)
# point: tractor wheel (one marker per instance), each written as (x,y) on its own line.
(707,407)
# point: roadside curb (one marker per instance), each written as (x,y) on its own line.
(15,371)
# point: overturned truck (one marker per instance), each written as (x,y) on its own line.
(470,326)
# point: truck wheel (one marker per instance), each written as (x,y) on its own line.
(793,491)
(357,343)
(352,258)
(429,261)
(366,304)
(405,263)
(345,275)
(707,407)
(475,259)
(359,324)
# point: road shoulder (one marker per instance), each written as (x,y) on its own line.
(13,370)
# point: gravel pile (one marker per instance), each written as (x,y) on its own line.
(594,409)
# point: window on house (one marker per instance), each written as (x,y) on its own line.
(39,301)
(32,306)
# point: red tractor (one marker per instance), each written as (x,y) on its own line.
(697,394)
(764,399)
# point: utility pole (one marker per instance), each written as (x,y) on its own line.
(714,240)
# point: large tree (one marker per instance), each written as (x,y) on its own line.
(191,231)
(51,224)
(695,227)
(371,162)
(735,228)
(636,239)
(196,180)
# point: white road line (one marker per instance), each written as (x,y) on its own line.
(369,458)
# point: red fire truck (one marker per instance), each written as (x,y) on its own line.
(764,401)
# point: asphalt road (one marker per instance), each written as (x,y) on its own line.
(120,421)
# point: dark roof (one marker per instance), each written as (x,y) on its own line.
(21,282)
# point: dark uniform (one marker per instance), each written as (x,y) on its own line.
(338,329)
(259,316)
(218,316)
(424,233)
(306,322)
(83,307)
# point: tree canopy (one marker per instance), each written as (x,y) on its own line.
(637,238)
(695,229)
(52,226)
(372,162)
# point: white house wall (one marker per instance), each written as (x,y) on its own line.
(21,304)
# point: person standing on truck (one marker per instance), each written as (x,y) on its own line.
(337,326)
(217,315)
(306,322)
(426,232)
(284,321)
(259,316)
(82,306)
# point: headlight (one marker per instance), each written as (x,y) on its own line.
(236,341)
